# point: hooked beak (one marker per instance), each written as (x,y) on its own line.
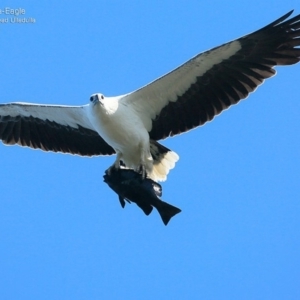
(96,99)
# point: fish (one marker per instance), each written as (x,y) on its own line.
(131,186)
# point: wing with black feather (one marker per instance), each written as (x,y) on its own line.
(51,128)
(211,82)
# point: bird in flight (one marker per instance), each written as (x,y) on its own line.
(131,125)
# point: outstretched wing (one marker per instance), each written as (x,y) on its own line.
(212,81)
(51,128)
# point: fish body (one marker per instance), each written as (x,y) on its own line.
(131,187)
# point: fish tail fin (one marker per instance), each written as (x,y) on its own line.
(167,211)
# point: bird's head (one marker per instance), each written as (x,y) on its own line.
(107,105)
(97,98)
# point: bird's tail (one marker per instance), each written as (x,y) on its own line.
(163,161)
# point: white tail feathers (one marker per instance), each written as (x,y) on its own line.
(163,161)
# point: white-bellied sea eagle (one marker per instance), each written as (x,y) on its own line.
(130,125)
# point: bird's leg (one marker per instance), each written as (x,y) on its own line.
(145,152)
(142,171)
(115,165)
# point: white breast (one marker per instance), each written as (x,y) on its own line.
(122,129)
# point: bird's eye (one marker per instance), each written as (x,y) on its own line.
(102,97)
(92,98)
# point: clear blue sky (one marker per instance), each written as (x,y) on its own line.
(63,233)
